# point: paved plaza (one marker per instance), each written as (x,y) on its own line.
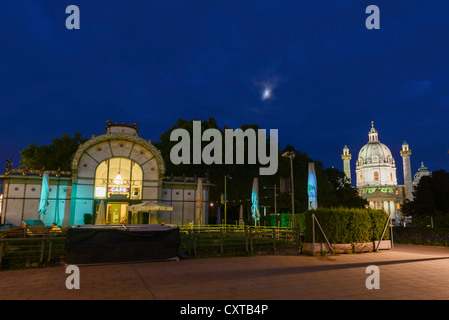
(407,272)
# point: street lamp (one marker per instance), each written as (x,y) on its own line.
(291,155)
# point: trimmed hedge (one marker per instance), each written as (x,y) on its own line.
(285,220)
(422,236)
(346,225)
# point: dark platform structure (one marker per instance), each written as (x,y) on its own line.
(123,243)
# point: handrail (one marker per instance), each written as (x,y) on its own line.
(32,238)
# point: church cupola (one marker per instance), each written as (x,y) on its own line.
(373,134)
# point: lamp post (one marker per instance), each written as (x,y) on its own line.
(291,155)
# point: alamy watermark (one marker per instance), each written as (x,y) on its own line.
(73,280)
(371,22)
(73,20)
(373,280)
(257,145)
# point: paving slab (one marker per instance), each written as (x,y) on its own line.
(407,272)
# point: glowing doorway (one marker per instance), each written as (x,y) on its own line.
(117,213)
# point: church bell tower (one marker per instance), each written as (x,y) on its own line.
(405,154)
(346,157)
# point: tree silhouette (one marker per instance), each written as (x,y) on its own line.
(57,155)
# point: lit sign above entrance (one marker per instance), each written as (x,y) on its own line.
(103,192)
(118,190)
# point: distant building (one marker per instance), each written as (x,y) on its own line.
(118,168)
(422,172)
(376,177)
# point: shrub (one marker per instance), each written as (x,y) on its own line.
(273,220)
(378,220)
(422,236)
(346,225)
(360,226)
(285,220)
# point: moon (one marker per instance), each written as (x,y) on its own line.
(266,94)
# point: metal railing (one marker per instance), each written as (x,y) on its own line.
(231,239)
(42,246)
(20,247)
(32,232)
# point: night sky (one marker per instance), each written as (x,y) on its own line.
(152,62)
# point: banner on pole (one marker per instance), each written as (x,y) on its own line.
(312,187)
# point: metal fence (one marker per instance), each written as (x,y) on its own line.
(21,247)
(238,240)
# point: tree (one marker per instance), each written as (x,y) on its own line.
(238,188)
(342,193)
(331,189)
(430,197)
(57,155)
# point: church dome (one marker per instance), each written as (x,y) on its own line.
(375,163)
(374,152)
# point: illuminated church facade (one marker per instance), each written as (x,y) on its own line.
(118,169)
(376,176)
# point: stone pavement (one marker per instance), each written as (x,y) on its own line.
(407,272)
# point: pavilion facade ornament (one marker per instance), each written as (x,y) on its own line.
(117,136)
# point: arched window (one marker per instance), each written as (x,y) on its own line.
(118,178)
(376,176)
(361,178)
(391,176)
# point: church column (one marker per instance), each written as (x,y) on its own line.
(392,210)
(405,154)
(346,157)
(386,207)
(391,207)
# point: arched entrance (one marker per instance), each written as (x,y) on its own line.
(96,177)
(118,183)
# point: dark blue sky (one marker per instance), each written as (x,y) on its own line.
(151,62)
